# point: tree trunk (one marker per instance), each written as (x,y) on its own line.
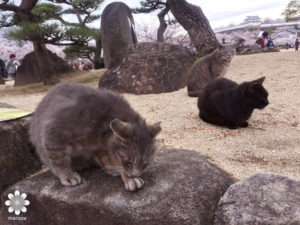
(194,21)
(97,57)
(162,24)
(46,64)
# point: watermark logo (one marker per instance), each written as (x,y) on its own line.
(17,203)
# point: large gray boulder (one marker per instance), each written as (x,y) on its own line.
(117,32)
(181,188)
(29,71)
(149,68)
(17,158)
(263,199)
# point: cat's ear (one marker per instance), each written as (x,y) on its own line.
(255,84)
(154,129)
(259,81)
(121,129)
(220,46)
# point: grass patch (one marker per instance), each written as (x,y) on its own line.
(94,78)
(84,77)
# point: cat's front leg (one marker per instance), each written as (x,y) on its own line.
(132,183)
(60,164)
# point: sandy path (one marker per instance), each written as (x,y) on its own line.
(270,144)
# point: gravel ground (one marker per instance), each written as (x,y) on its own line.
(270,144)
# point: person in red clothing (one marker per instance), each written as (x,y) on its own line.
(266,41)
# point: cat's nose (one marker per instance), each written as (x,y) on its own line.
(266,101)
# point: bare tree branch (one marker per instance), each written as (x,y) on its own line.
(193,20)
(8,7)
(162,24)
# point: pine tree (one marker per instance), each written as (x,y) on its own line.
(43,24)
(292,11)
(79,33)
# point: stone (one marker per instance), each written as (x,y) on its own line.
(17,158)
(181,188)
(262,199)
(29,72)
(117,32)
(5,105)
(248,50)
(150,68)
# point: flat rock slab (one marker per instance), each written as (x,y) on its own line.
(4,105)
(17,158)
(263,199)
(29,71)
(181,188)
(150,68)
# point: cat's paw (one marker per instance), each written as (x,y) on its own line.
(133,184)
(72,180)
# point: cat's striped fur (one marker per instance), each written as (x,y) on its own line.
(209,68)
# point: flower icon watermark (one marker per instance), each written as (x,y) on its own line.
(17,202)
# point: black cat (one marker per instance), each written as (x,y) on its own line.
(225,103)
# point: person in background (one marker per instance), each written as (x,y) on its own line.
(223,41)
(1,76)
(266,42)
(17,65)
(240,44)
(297,44)
(11,67)
(90,66)
(287,46)
(258,42)
(80,66)
(3,73)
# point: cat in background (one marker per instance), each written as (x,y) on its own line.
(225,103)
(76,121)
(208,68)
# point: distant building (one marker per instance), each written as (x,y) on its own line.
(252,19)
(292,27)
(288,31)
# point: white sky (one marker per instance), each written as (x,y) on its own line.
(220,12)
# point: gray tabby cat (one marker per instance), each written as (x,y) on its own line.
(76,121)
(209,68)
